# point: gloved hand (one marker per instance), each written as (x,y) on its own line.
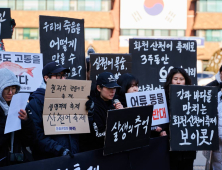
(67,152)
(90,106)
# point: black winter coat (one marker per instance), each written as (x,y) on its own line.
(22,138)
(99,120)
(214,83)
(48,146)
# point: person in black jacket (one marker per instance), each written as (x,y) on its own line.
(49,146)
(105,90)
(129,84)
(218,79)
(12,145)
(179,160)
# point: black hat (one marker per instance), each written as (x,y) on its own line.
(107,79)
(53,67)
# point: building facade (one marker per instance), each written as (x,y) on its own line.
(106,27)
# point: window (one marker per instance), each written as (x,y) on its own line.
(26,33)
(210,35)
(58,5)
(209,6)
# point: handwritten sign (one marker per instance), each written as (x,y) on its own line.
(156,98)
(64,107)
(193,124)
(117,64)
(153,59)
(26,66)
(62,41)
(5,23)
(127,129)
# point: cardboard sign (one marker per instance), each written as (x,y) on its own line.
(94,160)
(193,123)
(26,66)
(156,98)
(5,23)
(64,107)
(117,64)
(62,40)
(128,129)
(153,59)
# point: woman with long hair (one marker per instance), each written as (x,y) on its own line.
(179,160)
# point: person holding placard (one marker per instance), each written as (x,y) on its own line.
(49,146)
(218,79)
(129,84)
(12,145)
(105,91)
(179,160)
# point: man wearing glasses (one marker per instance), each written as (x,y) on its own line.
(48,146)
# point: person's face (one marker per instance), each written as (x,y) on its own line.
(134,88)
(8,93)
(61,75)
(178,79)
(106,93)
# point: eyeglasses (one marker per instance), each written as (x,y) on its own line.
(10,88)
(59,75)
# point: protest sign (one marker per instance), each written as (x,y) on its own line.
(127,129)
(153,59)
(193,123)
(62,40)
(64,107)
(5,23)
(117,64)
(142,158)
(26,66)
(156,98)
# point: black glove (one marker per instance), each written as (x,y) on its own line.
(89,104)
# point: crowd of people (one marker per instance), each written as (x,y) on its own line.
(30,143)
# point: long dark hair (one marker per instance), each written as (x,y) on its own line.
(126,81)
(169,78)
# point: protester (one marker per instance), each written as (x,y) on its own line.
(105,90)
(218,78)
(12,145)
(179,160)
(50,145)
(129,84)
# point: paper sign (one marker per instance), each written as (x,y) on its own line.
(19,101)
(64,107)
(26,66)
(156,98)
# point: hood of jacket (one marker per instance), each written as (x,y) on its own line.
(217,77)
(7,78)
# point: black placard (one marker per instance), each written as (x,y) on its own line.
(117,64)
(62,40)
(5,23)
(153,59)
(128,129)
(193,124)
(143,158)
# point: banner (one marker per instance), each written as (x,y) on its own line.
(156,98)
(153,59)
(127,129)
(26,66)
(193,124)
(62,40)
(117,64)
(5,23)
(144,158)
(64,107)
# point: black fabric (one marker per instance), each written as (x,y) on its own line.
(214,83)
(48,146)
(22,138)
(99,120)
(182,164)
